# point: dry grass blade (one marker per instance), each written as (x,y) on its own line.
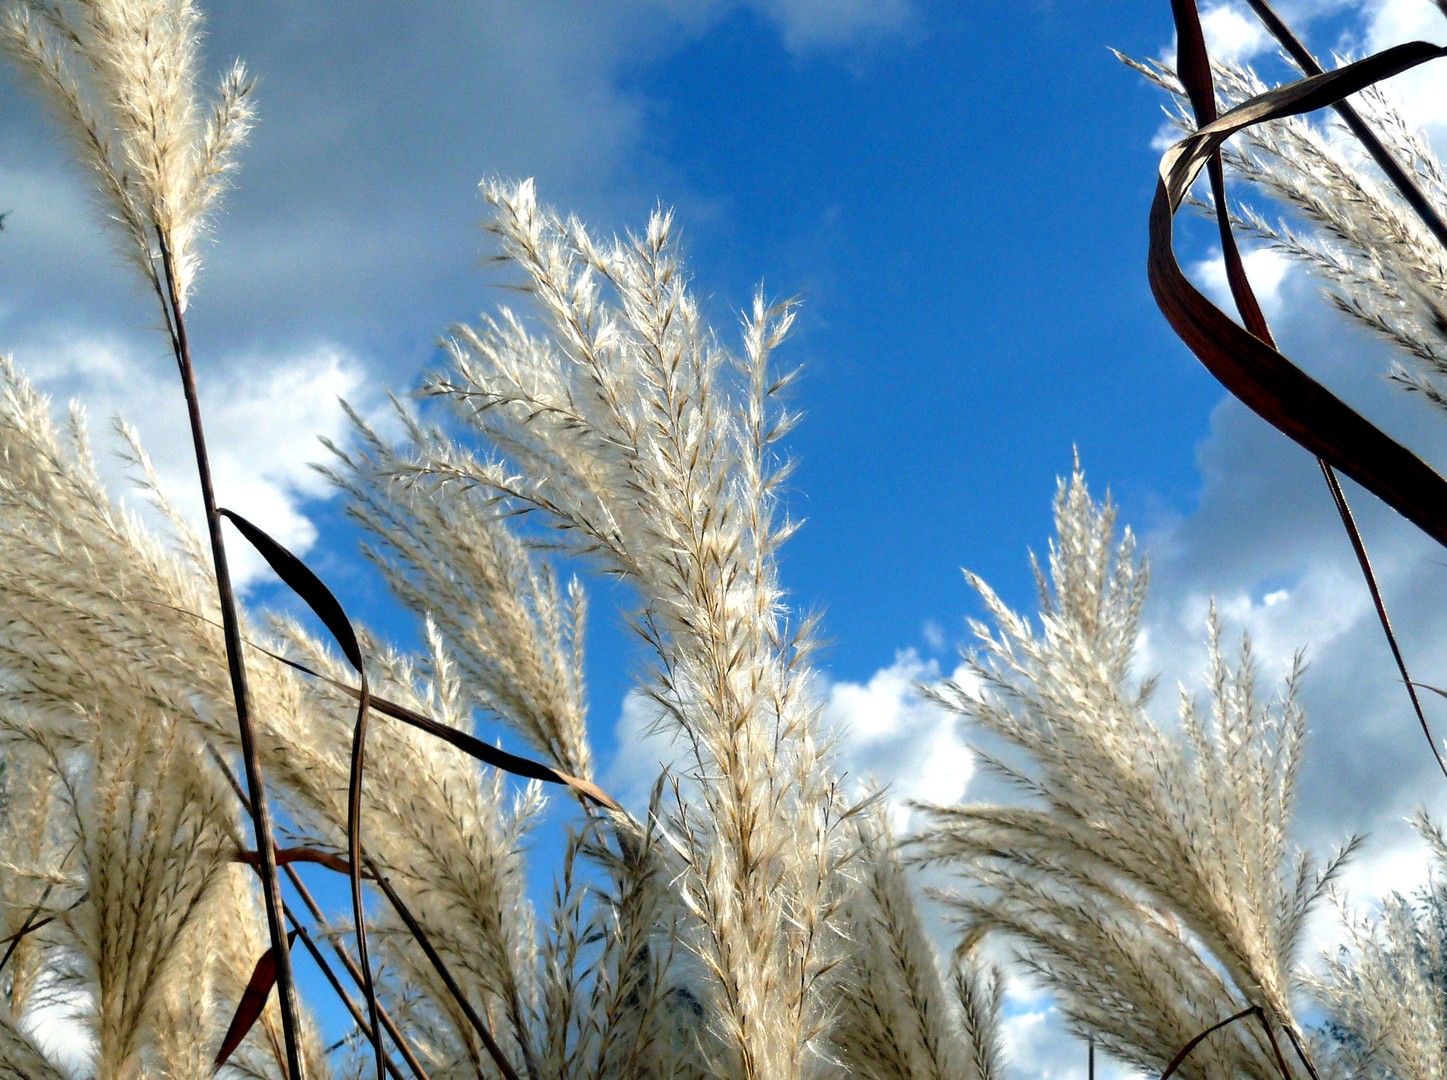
(253,1001)
(302,581)
(1255,372)
(1195,73)
(1389,165)
(474,747)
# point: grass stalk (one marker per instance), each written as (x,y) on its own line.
(231,629)
(388,1024)
(340,990)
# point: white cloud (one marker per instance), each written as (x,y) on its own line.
(643,748)
(1036,1044)
(1233,34)
(1418,92)
(888,734)
(262,414)
(58,1029)
(1266,269)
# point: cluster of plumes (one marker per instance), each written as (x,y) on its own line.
(617,419)
(123,836)
(121,75)
(618,424)
(1382,266)
(113,696)
(1150,880)
(754,923)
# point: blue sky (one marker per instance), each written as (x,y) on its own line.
(957,191)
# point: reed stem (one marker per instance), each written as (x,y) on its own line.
(231,629)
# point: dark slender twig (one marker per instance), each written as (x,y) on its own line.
(1185,1051)
(30,924)
(1275,1046)
(1353,120)
(1358,546)
(231,628)
(420,935)
(354,854)
(1253,1010)
(26,927)
(388,1024)
(340,990)
(1301,1051)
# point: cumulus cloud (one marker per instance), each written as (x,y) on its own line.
(263,416)
(1265,268)
(1231,31)
(1035,1043)
(890,736)
(1392,22)
(1233,34)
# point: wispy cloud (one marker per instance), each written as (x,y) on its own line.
(814,25)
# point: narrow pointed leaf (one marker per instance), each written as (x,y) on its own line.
(300,579)
(467,743)
(252,1003)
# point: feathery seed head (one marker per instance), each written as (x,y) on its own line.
(121,75)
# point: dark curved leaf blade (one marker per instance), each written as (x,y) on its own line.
(300,579)
(1255,372)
